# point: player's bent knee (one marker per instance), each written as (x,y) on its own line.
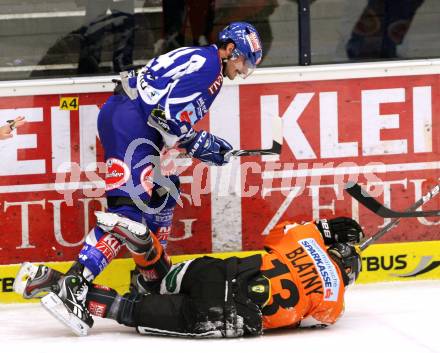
(135,235)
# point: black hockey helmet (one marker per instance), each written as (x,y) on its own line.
(348,259)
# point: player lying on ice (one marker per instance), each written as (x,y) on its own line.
(299,281)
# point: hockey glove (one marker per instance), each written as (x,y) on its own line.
(340,230)
(207,147)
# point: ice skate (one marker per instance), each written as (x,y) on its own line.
(35,281)
(68,306)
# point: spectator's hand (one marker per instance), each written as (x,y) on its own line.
(6,130)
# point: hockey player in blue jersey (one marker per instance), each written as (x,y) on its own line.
(150,110)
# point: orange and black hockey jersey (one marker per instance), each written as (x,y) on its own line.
(306,284)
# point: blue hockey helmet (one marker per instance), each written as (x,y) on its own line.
(247,44)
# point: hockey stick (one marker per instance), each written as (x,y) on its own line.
(367,242)
(277,143)
(375,206)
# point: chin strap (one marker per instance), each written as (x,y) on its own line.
(224,62)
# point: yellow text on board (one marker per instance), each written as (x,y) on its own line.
(69,103)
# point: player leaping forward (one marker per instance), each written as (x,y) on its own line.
(299,281)
(152,109)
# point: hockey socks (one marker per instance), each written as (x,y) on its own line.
(107,303)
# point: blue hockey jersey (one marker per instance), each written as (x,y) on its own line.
(183,84)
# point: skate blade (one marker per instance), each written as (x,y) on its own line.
(55,306)
(26,272)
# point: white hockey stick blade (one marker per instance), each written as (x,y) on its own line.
(26,272)
(55,306)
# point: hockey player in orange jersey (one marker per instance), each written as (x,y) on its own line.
(308,280)
(299,281)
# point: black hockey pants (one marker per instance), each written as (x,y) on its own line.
(212,301)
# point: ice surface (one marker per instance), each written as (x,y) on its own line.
(384,317)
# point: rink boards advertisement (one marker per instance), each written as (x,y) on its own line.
(381,131)
(381,262)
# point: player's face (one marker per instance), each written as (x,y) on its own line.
(236,67)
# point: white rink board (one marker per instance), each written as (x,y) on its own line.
(266,75)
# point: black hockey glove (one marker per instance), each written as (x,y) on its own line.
(340,230)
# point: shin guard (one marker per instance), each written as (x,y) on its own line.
(153,264)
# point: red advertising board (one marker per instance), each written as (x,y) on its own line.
(333,129)
(382,132)
(51,183)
